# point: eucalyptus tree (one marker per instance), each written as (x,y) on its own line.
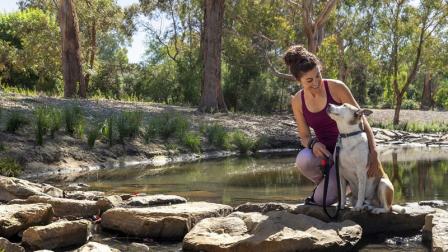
(29,50)
(406,28)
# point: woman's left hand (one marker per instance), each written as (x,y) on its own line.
(373,165)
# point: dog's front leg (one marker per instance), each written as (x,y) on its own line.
(362,181)
(343,199)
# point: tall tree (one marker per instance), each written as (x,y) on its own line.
(212,98)
(71,53)
(431,15)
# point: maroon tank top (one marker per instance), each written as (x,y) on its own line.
(325,128)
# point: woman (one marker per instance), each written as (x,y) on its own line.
(309,107)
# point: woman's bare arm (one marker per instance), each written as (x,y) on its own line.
(302,127)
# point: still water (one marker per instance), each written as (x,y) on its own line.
(234,181)
(417,174)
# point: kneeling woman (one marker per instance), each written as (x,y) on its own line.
(309,107)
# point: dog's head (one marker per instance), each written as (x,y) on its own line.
(346,115)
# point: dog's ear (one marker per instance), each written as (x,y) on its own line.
(365,112)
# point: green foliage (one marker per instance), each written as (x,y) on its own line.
(415,127)
(242,142)
(42,123)
(128,124)
(31,57)
(167,125)
(93,133)
(410,104)
(441,97)
(218,136)
(192,141)
(15,121)
(55,117)
(107,130)
(74,120)
(9,167)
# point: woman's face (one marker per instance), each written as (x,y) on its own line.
(311,79)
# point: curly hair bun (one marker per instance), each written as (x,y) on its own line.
(300,60)
(295,54)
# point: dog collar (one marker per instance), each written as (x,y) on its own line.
(350,134)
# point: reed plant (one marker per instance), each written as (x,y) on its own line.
(9,167)
(15,121)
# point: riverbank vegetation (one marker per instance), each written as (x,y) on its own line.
(390,54)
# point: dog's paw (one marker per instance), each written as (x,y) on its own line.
(367,207)
(356,209)
(378,210)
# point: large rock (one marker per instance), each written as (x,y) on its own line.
(413,220)
(58,234)
(84,195)
(153,200)
(436,230)
(68,207)
(95,247)
(14,188)
(270,232)
(109,202)
(15,218)
(161,222)
(8,246)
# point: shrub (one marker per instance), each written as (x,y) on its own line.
(9,167)
(15,121)
(128,124)
(92,135)
(192,141)
(242,141)
(107,129)
(73,120)
(167,125)
(218,136)
(55,115)
(410,104)
(42,123)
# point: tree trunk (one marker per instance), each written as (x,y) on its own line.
(212,99)
(92,52)
(71,53)
(426,95)
(398,100)
(315,30)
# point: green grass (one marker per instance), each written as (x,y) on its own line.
(42,123)
(128,124)
(74,120)
(242,141)
(55,116)
(415,127)
(192,140)
(167,125)
(217,136)
(93,133)
(107,130)
(17,90)
(9,167)
(15,121)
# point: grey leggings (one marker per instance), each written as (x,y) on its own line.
(308,165)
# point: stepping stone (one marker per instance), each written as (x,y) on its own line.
(161,222)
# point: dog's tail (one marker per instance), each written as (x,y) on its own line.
(398,209)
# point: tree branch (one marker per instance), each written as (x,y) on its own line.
(325,14)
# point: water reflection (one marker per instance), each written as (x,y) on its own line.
(237,180)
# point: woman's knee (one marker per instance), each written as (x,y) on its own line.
(304,159)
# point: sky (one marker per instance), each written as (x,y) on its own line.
(135,51)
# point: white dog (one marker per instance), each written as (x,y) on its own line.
(374,193)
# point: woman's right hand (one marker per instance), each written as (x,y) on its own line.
(319,150)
